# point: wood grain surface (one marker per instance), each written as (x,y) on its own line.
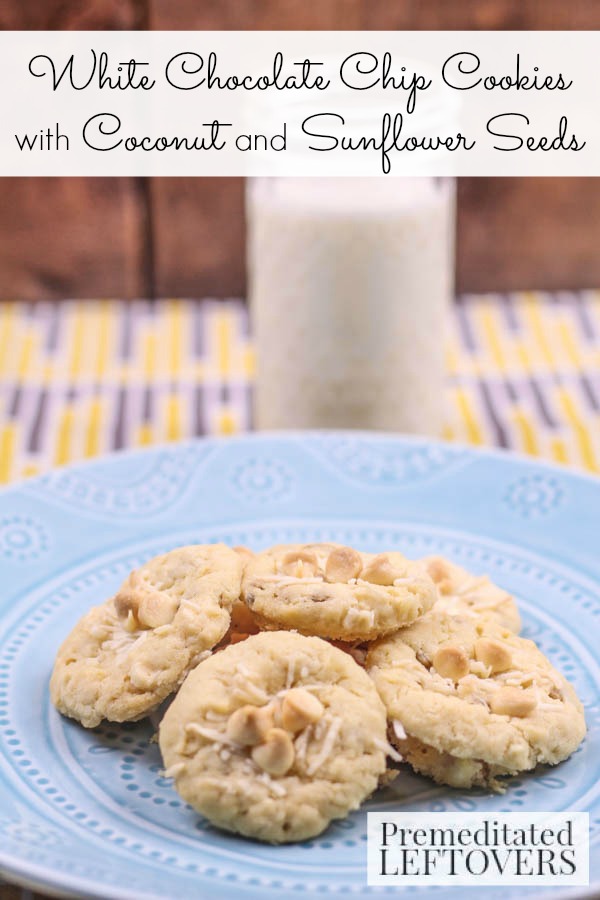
(124,238)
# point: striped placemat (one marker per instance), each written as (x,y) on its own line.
(82,378)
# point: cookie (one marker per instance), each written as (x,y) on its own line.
(333,591)
(461,593)
(125,657)
(470,701)
(274,737)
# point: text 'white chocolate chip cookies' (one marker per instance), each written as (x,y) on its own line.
(461,593)
(469,702)
(275,737)
(125,657)
(336,592)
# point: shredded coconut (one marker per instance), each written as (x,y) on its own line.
(399,730)
(328,745)
(123,643)
(290,673)
(277,789)
(301,742)
(256,693)
(387,749)
(211,734)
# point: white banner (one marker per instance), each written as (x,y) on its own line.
(300,103)
(524,848)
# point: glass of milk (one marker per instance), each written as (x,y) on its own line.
(350,281)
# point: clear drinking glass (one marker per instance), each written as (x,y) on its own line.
(350,281)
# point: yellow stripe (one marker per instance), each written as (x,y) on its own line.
(523,356)
(567,340)
(173,418)
(145,436)
(105,330)
(8,440)
(175,340)
(249,363)
(77,356)
(537,326)
(558,450)
(92,437)
(223,328)
(64,436)
(7,323)
(527,431)
(490,331)
(226,423)
(469,417)
(25,357)
(581,432)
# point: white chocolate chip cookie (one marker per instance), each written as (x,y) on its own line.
(275,737)
(470,701)
(333,591)
(125,657)
(461,593)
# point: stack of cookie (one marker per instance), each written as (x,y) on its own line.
(306,673)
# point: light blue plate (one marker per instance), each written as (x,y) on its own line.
(88,813)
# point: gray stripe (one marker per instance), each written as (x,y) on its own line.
(542,406)
(38,424)
(465,325)
(147,405)
(14,405)
(584,318)
(513,394)
(199,417)
(492,409)
(54,326)
(589,392)
(126,336)
(118,441)
(508,311)
(198,328)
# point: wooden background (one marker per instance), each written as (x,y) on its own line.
(185,237)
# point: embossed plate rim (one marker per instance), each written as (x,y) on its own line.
(44,876)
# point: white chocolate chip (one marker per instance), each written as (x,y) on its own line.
(380,571)
(150,608)
(276,754)
(493,654)
(249,725)
(512,701)
(451,662)
(300,563)
(342,565)
(299,708)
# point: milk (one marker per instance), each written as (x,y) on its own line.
(350,281)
